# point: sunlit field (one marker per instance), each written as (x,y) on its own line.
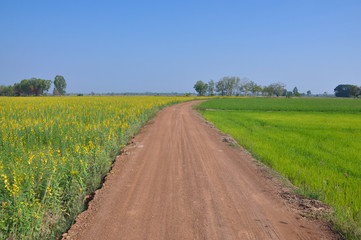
(315,143)
(54,151)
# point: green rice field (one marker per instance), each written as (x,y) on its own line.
(315,143)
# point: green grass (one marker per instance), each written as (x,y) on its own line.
(315,143)
(284,104)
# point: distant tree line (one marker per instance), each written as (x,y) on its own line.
(347,90)
(34,87)
(234,86)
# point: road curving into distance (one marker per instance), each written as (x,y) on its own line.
(179,180)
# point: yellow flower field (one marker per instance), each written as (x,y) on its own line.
(53,151)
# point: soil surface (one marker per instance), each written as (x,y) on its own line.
(180,179)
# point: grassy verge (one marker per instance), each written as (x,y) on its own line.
(313,142)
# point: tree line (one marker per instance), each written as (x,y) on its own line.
(34,87)
(234,86)
(347,90)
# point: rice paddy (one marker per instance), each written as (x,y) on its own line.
(315,143)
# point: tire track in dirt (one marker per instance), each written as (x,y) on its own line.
(178,180)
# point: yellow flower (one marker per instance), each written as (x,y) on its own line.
(30,159)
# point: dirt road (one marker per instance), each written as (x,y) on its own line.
(178,180)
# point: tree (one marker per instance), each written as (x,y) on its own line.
(309,93)
(289,94)
(32,86)
(201,88)
(22,88)
(6,90)
(226,86)
(221,87)
(42,86)
(354,91)
(343,90)
(277,88)
(237,86)
(230,84)
(211,88)
(55,92)
(258,89)
(60,84)
(245,86)
(254,88)
(267,91)
(295,92)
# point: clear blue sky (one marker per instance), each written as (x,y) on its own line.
(165,46)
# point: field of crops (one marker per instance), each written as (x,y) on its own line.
(54,151)
(315,143)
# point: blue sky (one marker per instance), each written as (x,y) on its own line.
(166,46)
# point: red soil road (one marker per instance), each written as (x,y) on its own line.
(178,180)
